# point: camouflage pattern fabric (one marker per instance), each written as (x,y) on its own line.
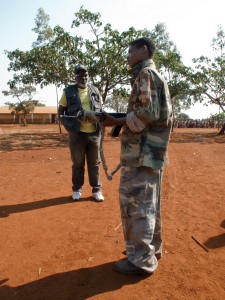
(151,103)
(140,212)
(143,156)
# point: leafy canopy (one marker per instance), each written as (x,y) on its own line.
(208,77)
(24,104)
(52,57)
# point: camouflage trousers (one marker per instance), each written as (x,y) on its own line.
(140,189)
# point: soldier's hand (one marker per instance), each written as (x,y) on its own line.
(108,120)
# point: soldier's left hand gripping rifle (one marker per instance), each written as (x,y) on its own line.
(99,117)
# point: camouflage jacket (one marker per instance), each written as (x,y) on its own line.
(150,100)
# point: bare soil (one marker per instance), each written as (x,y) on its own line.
(52,248)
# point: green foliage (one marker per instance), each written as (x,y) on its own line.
(44,65)
(218,117)
(218,43)
(117,103)
(169,62)
(221,118)
(43,30)
(52,59)
(105,54)
(208,78)
(27,91)
(183,116)
(24,107)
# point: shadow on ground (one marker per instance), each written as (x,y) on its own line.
(77,284)
(196,137)
(7,210)
(43,140)
(216,241)
(34,141)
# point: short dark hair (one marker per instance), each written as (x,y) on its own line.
(144,41)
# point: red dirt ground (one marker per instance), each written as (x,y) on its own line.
(55,249)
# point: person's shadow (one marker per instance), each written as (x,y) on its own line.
(216,241)
(73,285)
(7,210)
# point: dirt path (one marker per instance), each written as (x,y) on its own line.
(53,248)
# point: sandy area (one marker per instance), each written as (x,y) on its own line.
(54,248)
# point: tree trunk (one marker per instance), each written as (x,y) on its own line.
(222,130)
(60,129)
(24,121)
(57,102)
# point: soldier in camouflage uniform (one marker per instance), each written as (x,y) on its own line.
(145,139)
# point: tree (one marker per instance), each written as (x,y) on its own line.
(111,51)
(220,118)
(117,103)
(169,61)
(104,54)
(23,107)
(53,63)
(43,30)
(183,116)
(208,78)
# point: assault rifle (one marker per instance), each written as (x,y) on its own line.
(101,117)
(116,128)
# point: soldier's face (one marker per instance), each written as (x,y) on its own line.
(136,55)
(82,78)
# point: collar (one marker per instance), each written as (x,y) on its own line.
(149,63)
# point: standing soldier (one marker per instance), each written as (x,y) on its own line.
(145,139)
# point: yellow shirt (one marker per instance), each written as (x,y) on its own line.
(85,102)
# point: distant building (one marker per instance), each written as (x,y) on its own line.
(40,115)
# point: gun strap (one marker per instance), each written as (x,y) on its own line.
(109,176)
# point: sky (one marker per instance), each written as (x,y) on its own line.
(191,25)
